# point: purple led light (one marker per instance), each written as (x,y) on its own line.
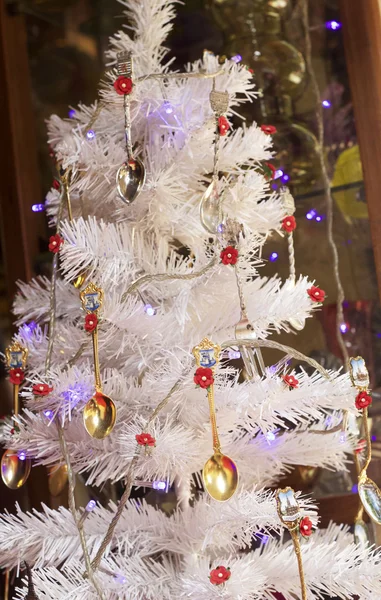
(355,488)
(120,578)
(278,173)
(274,256)
(343,327)
(318,218)
(374,438)
(234,354)
(38,207)
(168,108)
(160,485)
(285,178)
(236,58)
(149,310)
(72,113)
(333,25)
(90,134)
(326,104)
(75,393)
(264,538)
(90,506)
(48,414)
(270,436)
(22,455)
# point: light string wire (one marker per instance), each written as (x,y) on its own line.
(63,445)
(326,182)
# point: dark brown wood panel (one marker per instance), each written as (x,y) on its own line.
(362,38)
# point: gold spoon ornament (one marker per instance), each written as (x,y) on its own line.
(131,176)
(220,473)
(99,413)
(368,490)
(15,466)
(290,514)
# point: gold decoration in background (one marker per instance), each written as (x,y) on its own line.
(99,414)
(290,515)
(15,466)
(220,473)
(57,479)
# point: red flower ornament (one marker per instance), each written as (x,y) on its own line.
(55,243)
(203,377)
(305,527)
(56,183)
(363,400)
(219,575)
(16,376)
(41,389)
(289,224)
(91,323)
(270,170)
(251,71)
(223,125)
(316,294)
(291,381)
(268,129)
(123,85)
(229,255)
(145,439)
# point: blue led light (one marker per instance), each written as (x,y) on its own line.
(274,256)
(236,58)
(285,178)
(48,414)
(22,455)
(90,134)
(38,207)
(72,113)
(333,25)
(90,506)
(326,104)
(149,310)
(343,327)
(355,488)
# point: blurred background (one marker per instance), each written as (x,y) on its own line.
(52,57)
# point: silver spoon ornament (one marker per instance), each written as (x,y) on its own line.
(99,413)
(130,179)
(131,176)
(15,466)
(368,490)
(210,205)
(220,474)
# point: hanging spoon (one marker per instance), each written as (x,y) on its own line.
(220,473)
(368,490)
(130,177)
(290,515)
(15,466)
(210,205)
(99,413)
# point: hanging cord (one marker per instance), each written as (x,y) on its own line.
(326,182)
(64,450)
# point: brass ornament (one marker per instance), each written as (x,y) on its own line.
(57,479)
(15,470)
(290,515)
(99,413)
(368,490)
(220,473)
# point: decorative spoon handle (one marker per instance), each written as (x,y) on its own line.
(207,357)
(295,540)
(97,371)
(213,423)
(125,67)
(92,300)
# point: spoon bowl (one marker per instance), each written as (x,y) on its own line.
(220,477)
(99,416)
(370,496)
(14,470)
(210,212)
(130,179)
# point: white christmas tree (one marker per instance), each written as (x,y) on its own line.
(170,279)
